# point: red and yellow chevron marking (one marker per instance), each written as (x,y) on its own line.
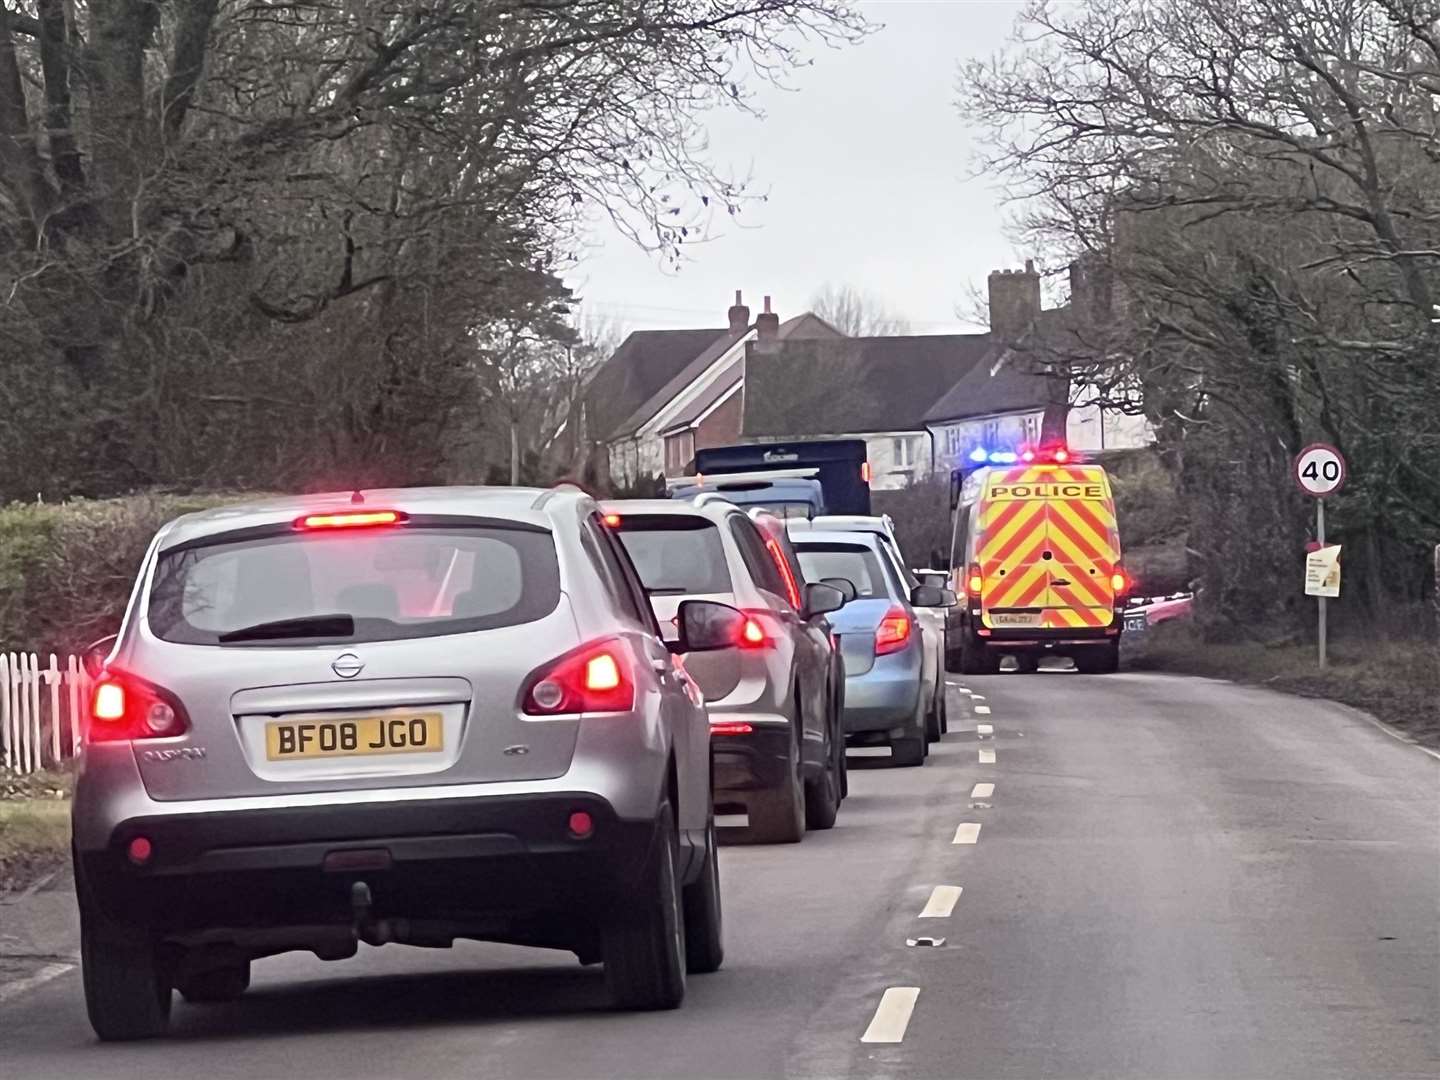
(1067,511)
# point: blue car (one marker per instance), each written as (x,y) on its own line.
(889,678)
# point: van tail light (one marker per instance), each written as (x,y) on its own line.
(595,678)
(123,706)
(974,583)
(1119,583)
(893,633)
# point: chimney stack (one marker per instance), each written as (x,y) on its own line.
(739,316)
(1014,301)
(767,325)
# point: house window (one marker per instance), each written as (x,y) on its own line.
(679,452)
(904,451)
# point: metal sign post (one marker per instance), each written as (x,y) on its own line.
(1320,471)
(1320,539)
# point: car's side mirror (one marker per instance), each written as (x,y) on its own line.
(705,626)
(93,658)
(821,599)
(845,585)
(930,596)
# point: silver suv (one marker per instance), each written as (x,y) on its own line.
(775,695)
(394,716)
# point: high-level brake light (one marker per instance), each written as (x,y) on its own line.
(346,519)
(865,472)
(612,520)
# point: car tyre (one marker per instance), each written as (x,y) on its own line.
(1026,665)
(822,795)
(975,659)
(777,816)
(644,943)
(933,725)
(127,994)
(704,920)
(215,985)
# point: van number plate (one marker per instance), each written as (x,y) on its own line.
(1014,618)
(291,740)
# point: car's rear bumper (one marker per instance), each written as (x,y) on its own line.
(450,859)
(757,760)
(885,696)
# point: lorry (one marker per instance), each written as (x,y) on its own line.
(793,479)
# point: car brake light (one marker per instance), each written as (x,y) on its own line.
(612,520)
(125,707)
(752,635)
(594,678)
(792,590)
(351,519)
(893,633)
(730,727)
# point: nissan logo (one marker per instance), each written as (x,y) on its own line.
(347,665)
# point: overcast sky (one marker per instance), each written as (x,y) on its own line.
(865,161)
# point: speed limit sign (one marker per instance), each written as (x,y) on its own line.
(1320,470)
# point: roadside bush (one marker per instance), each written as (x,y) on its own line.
(66,569)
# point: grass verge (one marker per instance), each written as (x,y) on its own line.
(34,827)
(1397,681)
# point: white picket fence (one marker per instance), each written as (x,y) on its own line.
(42,710)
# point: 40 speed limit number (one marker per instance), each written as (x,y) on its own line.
(1320,470)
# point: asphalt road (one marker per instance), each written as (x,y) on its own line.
(1171,878)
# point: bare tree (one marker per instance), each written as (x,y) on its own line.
(1254,188)
(855,312)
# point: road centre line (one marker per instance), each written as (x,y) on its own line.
(985,729)
(987,756)
(943,899)
(892,1015)
(967,832)
(982,710)
(45,974)
(982,791)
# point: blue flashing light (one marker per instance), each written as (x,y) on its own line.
(1003,457)
(979,454)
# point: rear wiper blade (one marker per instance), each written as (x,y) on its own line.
(303,627)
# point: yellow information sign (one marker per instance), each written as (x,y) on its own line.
(1322,572)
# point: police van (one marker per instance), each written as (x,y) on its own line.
(1035,559)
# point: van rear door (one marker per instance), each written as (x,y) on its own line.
(1047,548)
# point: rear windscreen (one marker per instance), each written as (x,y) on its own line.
(392,583)
(858,565)
(675,554)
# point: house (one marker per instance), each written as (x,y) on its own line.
(664,394)
(875,388)
(1023,391)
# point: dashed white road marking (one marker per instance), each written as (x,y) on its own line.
(982,791)
(985,729)
(892,1015)
(977,697)
(731,821)
(983,710)
(943,899)
(45,974)
(968,832)
(987,757)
